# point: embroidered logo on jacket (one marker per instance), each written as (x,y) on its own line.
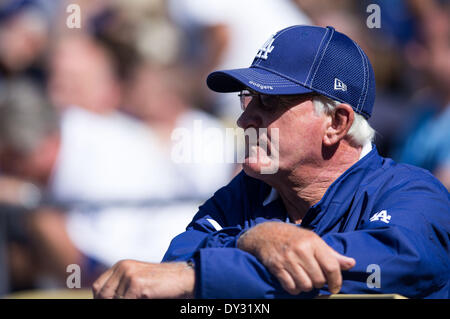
(381,216)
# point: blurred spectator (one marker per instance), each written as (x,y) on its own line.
(29,131)
(29,143)
(316,8)
(124,229)
(82,73)
(226,34)
(24,38)
(113,176)
(425,141)
(166,109)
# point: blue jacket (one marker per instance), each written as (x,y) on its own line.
(393,219)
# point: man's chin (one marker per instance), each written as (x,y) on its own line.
(251,170)
(257,169)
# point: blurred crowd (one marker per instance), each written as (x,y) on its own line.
(87,113)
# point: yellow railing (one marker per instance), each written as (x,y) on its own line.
(87,294)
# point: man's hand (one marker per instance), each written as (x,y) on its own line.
(299,258)
(134,279)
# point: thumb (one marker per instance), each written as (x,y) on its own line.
(345,262)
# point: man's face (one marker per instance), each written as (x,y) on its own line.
(291,129)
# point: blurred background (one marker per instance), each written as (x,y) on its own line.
(87,113)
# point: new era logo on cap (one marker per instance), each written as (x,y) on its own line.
(339,85)
(303,59)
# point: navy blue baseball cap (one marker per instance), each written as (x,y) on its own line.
(303,59)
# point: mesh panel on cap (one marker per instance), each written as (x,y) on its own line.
(343,61)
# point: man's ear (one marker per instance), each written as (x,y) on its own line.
(340,123)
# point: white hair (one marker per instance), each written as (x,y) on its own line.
(360,132)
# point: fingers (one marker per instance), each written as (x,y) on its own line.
(287,281)
(313,268)
(108,291)
(300,280)
(122,290)
(331,269)
(332,264)
(298,275)
(345,262)
(107,284)
(299,258)
(100,282)
(314,273)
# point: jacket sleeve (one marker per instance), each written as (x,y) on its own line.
(403,246)
(222,270)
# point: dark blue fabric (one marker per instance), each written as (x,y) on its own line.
(412,249)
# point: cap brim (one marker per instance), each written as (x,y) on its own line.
(259,80)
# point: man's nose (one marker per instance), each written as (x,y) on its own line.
(249,118)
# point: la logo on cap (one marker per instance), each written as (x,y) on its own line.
(267,47)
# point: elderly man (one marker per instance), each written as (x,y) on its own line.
(334,216)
